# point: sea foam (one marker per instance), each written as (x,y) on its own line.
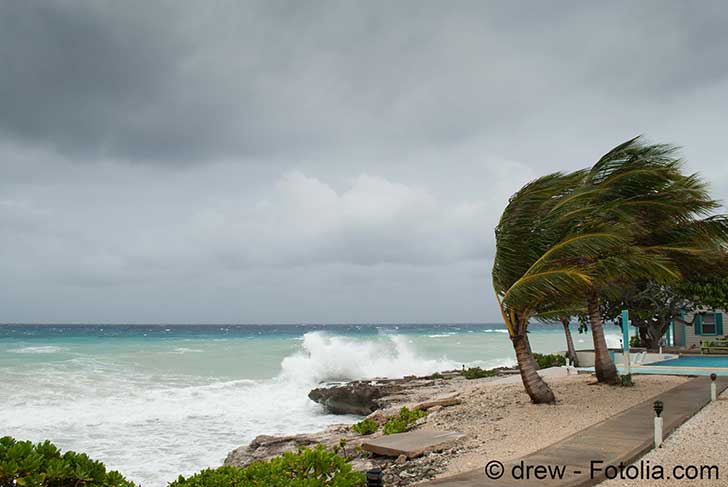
(336,358)
(44,349)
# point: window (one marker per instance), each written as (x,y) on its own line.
(708,323)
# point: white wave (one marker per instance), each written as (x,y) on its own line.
(45,349)
(327,357)
(441,335)
(494,330)
(150,431)
(181,350)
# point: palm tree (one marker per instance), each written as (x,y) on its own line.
(564,240)
(641,189)
(571,350)
(537,264)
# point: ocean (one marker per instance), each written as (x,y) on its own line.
(156,401)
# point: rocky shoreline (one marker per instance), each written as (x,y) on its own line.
(494,414)
(377,400)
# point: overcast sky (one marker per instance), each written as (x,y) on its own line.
(307,162)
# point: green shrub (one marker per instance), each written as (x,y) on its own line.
(436,375)
(634,341)
(366,427)
(307,468)
(626,380)
(477,373)
(404,421)
(23,463)
(551,360)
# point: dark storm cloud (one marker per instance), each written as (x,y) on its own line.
(316,161)
(189,81)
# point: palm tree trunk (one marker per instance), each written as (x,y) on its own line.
(569,341)
(536,387)
(603,364)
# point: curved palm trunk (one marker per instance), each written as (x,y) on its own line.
(603,364)
(536,387)
(569,341)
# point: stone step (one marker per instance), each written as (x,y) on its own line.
(412,444)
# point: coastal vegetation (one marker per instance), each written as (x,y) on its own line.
(567,243)
(545,361)
(23,463)
(404,421)
(310,466)
(478,373)
(366,427)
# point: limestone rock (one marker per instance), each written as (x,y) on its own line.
(361,398)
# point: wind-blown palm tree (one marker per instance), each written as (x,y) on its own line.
(536,264)
(566,239)
(663,213)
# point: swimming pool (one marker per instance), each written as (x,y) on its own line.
(701,361)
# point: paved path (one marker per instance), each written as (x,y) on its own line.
(621,438)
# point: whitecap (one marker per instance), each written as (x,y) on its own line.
(44,349)
(186,350)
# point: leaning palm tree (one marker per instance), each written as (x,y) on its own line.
(537,264)
(663,213)
(564,240)
(570,349)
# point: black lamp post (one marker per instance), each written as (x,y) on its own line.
(375,477)
(659,407)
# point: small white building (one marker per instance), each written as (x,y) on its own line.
(700,327)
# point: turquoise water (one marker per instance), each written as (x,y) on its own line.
(158,401)
(694,361)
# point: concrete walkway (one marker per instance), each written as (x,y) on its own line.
(621,438)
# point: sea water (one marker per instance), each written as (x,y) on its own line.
(157,401)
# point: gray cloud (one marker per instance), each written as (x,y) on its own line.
(275,161)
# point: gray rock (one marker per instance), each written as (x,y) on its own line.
(360,398)
(265,447)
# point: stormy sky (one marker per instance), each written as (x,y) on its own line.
(306,162)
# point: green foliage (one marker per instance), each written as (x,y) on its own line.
(634,341)
(477,373)
(23,463)
(551,360)
(711,293)
(626,380)
(404,421)
(366,427)
(633,216)
(437,375)
(315,467)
